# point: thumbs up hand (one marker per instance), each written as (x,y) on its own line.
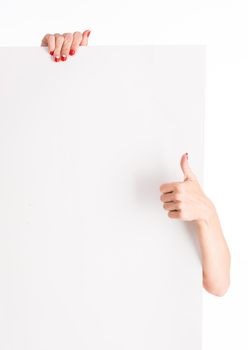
(186,200)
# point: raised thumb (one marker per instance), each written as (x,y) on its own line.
(188,173)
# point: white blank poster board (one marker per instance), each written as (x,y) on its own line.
(89,258)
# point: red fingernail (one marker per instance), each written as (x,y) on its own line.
(63,58)
(187,155)
(57,59)
(88,34)
(51,53)
(72,52)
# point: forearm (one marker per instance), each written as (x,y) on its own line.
(215,253)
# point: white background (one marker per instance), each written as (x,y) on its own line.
(223,27)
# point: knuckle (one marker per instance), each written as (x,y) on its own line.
(180,205)
(59,38)
(161,187)
(51,38)
(77,34)
(67,37)
(178,196)
(179,188)
(167,206)
(45,39)
(180,215)
(66,44)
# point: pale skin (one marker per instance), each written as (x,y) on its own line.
(183,200)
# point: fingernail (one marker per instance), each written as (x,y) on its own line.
(51,52)
(88,34)
(187,155)
(63,58)
(72,52)
(57,58)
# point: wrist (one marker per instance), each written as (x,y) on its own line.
(209,214)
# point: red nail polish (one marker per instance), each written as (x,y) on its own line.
(63,58)
(88,34)
(72,52)
(51,53)
(57,59)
